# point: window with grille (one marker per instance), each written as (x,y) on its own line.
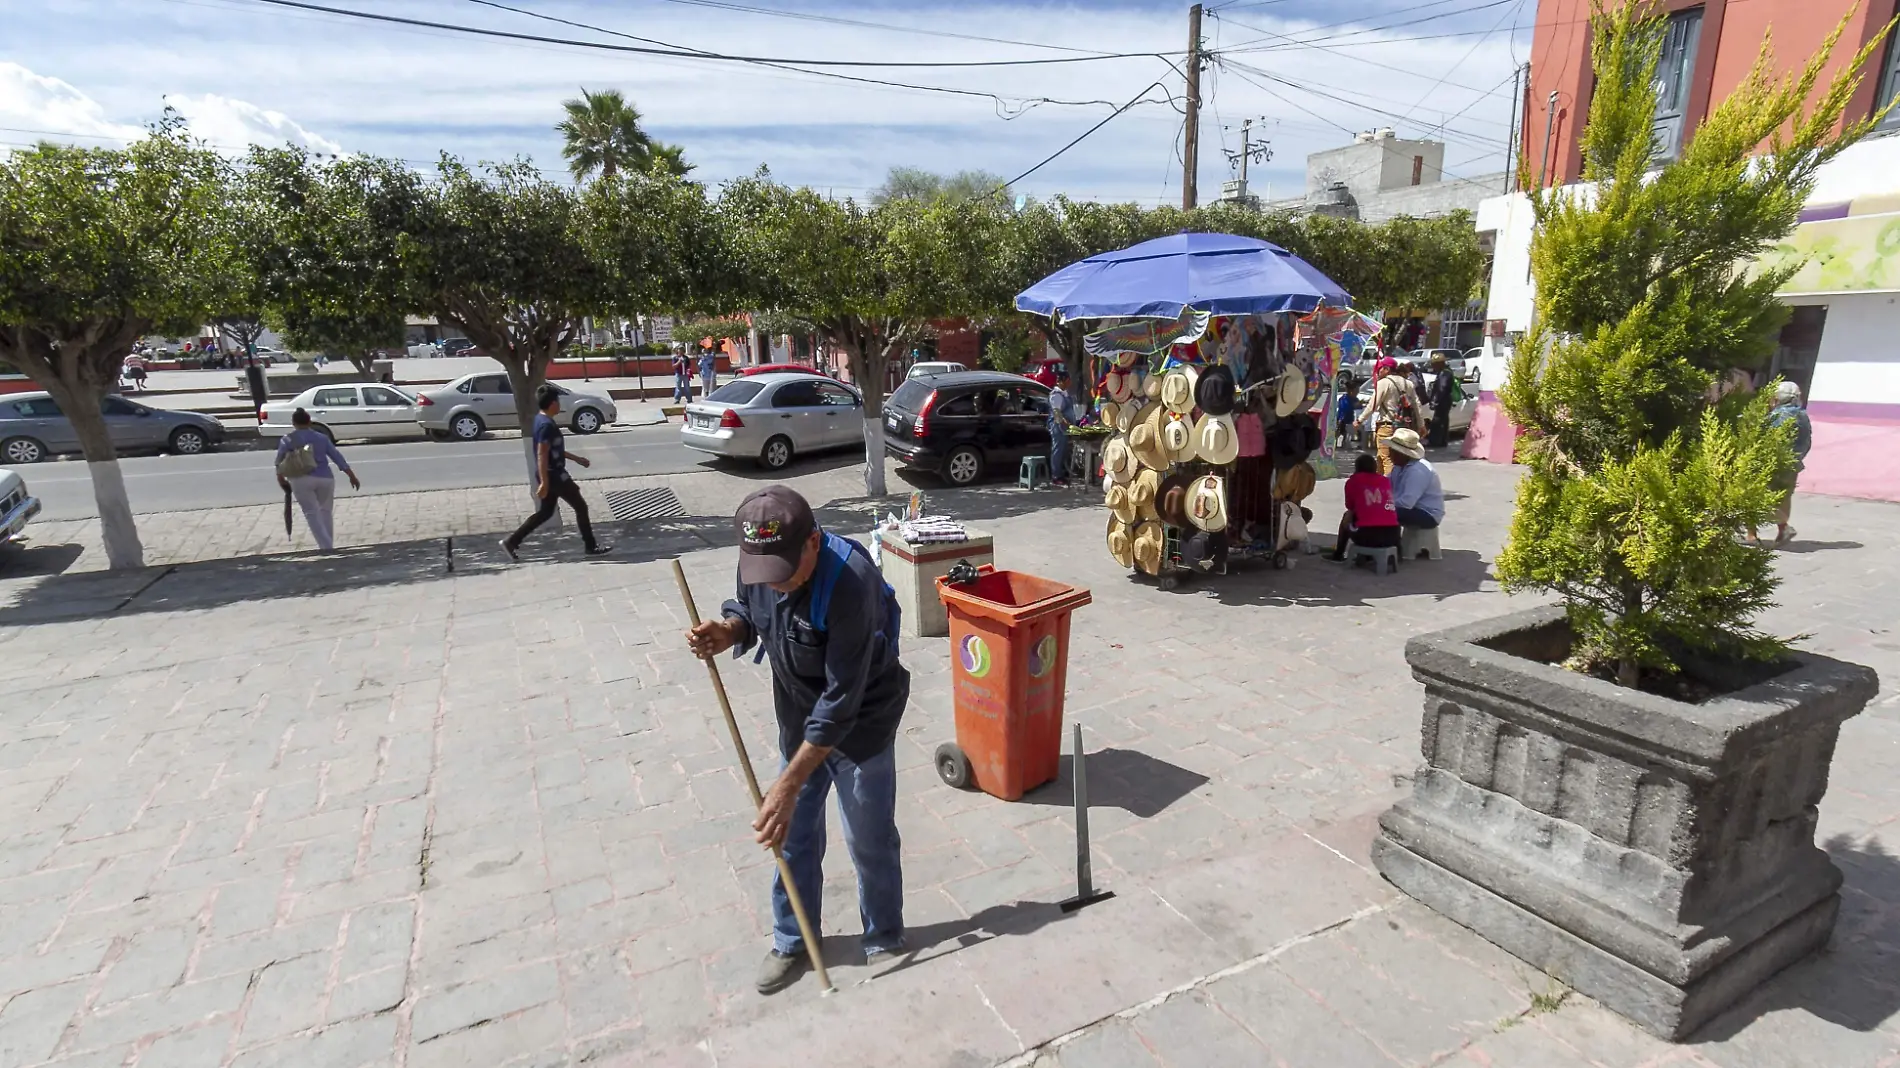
(1889,86)
(1674,74)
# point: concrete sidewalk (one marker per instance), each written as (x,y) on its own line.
(355,810)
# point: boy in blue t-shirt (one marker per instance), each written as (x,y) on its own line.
(552,484)
(1343,411)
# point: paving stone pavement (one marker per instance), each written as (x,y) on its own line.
(355,810)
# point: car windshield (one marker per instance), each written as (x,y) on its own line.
(736,393)
(910,396)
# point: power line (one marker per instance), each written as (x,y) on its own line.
(696,53)
(1479,139)
(1006,107)
(1475,45)
(1334,50)
(1079,138)
(1363,31)
(1353,22)
(840,21)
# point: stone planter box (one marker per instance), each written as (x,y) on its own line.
(1655,855)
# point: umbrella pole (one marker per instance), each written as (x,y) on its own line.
(814,949)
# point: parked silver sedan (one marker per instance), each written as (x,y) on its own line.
(32,428)
(472,405)
(774,417)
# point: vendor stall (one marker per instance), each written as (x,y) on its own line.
(1206,389)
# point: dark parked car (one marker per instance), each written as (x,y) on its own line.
(32,428)
(963,424)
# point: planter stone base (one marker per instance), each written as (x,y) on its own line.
(1656,856)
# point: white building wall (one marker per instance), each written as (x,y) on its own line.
(1859,362)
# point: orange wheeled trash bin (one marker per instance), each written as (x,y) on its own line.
(1009,652)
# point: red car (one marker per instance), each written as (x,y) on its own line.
(1046,372)
(774,368)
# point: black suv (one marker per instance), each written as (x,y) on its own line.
(966,422)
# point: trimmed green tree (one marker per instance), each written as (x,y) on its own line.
(99,247)
(1639,478)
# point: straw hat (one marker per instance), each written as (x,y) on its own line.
(1171,500)
(1152,388)
(1145,439)
(1405,442)
(1117,460)
(1150,546)
(1290,393)
(1296,483)
(1127,415)
(1120,502)
(1107,415)
(1126,359)
(1177,438)
(1214,394)
(1142,492)
(1216,439)
(1207,503)
(1177,388)
(1121,542)
(1119,385)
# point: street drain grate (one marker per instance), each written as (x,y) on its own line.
(655,503)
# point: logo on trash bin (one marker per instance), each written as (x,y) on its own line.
(975,656)
(1043,657)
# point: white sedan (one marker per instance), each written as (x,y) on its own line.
(17,506)
(363,410)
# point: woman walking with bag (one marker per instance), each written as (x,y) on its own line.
(304,467)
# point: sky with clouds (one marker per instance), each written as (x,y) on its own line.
(1310,72)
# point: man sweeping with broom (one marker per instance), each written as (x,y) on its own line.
(818,608)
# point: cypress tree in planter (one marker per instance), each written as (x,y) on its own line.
(1622,790)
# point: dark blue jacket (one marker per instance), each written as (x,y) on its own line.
(842,687)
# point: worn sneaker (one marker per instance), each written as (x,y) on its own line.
(599,550)
(878,958)
(510,550)
(779,971)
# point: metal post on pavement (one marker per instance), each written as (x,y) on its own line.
(1085,892)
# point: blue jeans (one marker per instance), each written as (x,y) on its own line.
(867,799)
(1416,517)
(682,388)
(1058,452)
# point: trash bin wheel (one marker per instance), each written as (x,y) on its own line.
(952,766)
(1279,561)
(1169,581)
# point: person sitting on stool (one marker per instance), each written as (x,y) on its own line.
(1416,492)
(1371,519)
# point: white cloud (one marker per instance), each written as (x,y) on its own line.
(230,124)
(34,107)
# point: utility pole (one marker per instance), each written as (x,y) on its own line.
(1514,148)
(1191,138)
(1550,118)
(1249,152)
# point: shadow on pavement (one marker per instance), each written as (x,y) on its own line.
(997,921)
(1316,580)
(1854,982)
(1818,546)
(816,463)
(23,559)
(1127,779)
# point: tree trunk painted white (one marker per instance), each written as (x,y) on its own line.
(124,551)
(873,453)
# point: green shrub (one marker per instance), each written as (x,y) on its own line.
(1646,297)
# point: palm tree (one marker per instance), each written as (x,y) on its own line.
(669,159)
(603,135)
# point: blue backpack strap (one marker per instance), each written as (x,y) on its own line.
(832,555)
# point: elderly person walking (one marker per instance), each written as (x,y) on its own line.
(1788,410)
(310,476)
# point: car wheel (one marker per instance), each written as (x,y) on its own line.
(325,431)
(22,451)
(188,441)
(586,421)
(440,435)
(963,466)
(776,454)
(466,427)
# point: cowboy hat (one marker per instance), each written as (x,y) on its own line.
(1177,438)
(1404,441)
(1119,385)
(1177,388)
(1150,545)
(1296,483)
(1207,503)
(1289,393)
(1171,500)
(1121,544)
(1109,411)
(1126,360)
(1152,388)
(1117,460)
(1216,440)
(1120,502)
(1214,394)
(1145,440)
(1127,415)
(1142,492)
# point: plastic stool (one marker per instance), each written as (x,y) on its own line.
(1383,560)
(1413,539)
(1034,468)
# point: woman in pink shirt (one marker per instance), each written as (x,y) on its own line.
(1371,519)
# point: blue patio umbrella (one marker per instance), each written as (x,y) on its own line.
(1218,273)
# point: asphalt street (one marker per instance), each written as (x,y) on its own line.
(245,476)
